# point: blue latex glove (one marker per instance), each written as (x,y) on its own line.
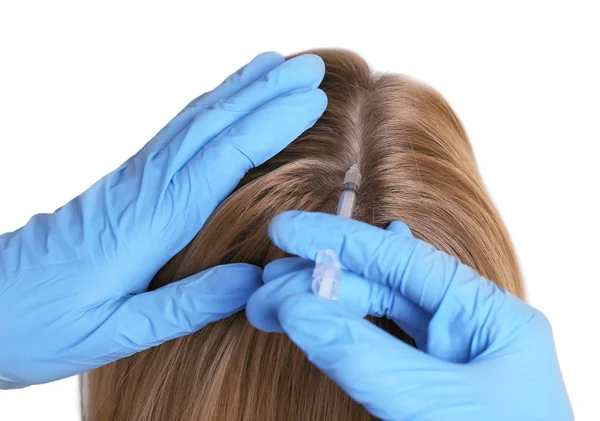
(72,283)
(484,354)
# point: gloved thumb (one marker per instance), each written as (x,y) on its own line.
(365,361)
(399,227)
(178,309)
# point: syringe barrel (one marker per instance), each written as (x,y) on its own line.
(349,190)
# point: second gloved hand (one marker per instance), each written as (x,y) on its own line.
(483,353)
(73,283)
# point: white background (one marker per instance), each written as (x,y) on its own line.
(84,86)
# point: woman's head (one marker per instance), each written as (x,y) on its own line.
(417,166)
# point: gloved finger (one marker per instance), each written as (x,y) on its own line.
(302,72)
(243,77)
(413,267)
(377,370)
(279,267)
(399,227)
(358,295)
(285,265)
(415,325)
(209,177)
(180,308)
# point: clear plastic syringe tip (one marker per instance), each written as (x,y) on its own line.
(353,175)
(327,275)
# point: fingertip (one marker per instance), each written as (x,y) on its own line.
(307,307)
(309,67)
(264,62)
(233,278)
(255,311)
(269,56)
(312,321)
(315,60)
(320,100)
(243,77)
(242,268)
(287,230)
(259,65)
(281,223)
(284,266)
(247,276)
(312,62)
(298,307)
(399,227)
(312,102)
(263,304)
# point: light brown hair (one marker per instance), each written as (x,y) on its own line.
(417,166)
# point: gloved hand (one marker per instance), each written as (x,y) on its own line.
(72,283)
(484,354)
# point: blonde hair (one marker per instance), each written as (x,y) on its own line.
(417,166)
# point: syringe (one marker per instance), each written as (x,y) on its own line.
(327,274)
